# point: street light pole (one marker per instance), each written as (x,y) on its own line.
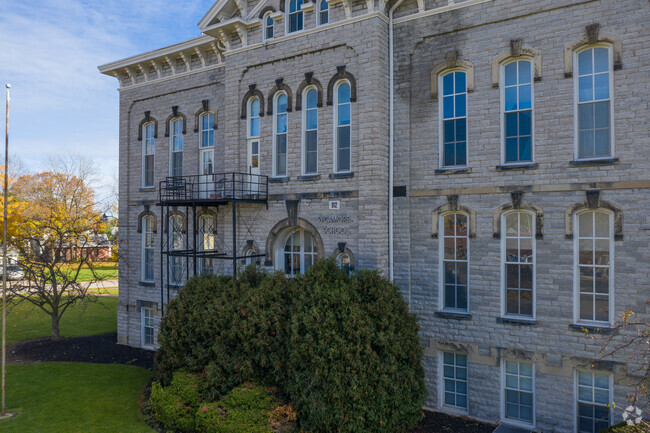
(4,261)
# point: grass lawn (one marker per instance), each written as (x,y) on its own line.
(25,321)
(105,270)
(75,397)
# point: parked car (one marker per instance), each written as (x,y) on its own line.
(13,272)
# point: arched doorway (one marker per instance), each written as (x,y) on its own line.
(293,249)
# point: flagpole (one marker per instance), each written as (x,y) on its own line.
(3,414)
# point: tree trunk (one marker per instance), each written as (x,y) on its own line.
(55,327)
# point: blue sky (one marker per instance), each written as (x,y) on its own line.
(49,52)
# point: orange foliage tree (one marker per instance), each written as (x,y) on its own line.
(53,229)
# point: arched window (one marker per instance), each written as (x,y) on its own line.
(250,260)
(342,122)
(206,244)
(253,138)
(517,106)
(518,266)
(310,131)
(147,248)
(453,119)
(148,149)
(454,262)
(176,243)
(322,12)
(268,26)
(280,135)
(206,122)
(294,23)
(206,153)
(344,262)
(593,102)
(176,148)
(594,247)
(299,252)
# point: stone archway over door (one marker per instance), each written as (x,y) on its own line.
(303,240)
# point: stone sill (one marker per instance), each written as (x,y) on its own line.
(307,177)
(345,175)
(281,179)
(515,321)
(453,316)
(593,162)
(594,329)
(460,170)
(148,189)
(146,284)
(509,167)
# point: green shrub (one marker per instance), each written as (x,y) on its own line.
(175,406)
(355,359)
(345,351)
(245,409)
(624,428)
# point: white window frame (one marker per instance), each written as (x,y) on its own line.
(280,252)
(204,262)
(335,139)
(249,118)
(441,119)
(305,112)
(576,395)
(510,421)
(147,229)
(576,103)
(504,237)
(172,135)
(146,141)
(172,233)
(502,89)
(209,130)
(276,97)
(576,269)
(143,326)
(459,410)
(288,14)
(265,27)
(318,12)
(441,264)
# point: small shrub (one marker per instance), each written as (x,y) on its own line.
(283,419)
(170,410)
(245,409)
(622,427)
(210,418)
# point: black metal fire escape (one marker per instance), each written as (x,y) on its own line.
(192,192)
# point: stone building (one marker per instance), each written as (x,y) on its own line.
(490,156)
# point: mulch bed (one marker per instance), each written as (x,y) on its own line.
(99,349)
(438,422)
(103,349)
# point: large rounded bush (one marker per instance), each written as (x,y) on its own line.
(355,358)
(344,350)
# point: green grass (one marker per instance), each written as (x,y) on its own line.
(105,291)
(104,270)
(75,398)
(24,321)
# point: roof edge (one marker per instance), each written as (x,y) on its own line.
(151,55)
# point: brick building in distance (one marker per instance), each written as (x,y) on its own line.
(490,156)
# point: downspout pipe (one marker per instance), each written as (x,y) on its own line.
(391,138)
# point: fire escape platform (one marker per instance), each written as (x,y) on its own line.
(213,189)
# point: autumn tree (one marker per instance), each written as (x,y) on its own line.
(54,234)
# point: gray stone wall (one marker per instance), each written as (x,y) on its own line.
(479,34)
